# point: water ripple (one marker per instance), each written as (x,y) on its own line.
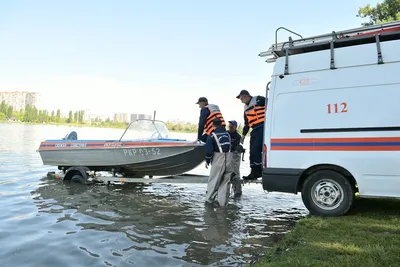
(125,225)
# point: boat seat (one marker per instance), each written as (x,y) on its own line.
(71,136)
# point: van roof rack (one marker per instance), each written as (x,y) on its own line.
(362,35)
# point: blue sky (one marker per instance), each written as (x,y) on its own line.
(132,56)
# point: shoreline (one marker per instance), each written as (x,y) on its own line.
(369,235)
(110,126)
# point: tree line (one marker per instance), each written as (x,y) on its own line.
(386,11)
(33,115)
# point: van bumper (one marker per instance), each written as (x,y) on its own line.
(281,179)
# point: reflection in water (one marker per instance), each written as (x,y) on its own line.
(170,223)
(47,222)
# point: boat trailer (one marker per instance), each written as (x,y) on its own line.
(84,176)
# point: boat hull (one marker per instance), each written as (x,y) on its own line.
(135,159)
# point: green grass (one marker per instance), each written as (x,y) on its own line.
(369,235)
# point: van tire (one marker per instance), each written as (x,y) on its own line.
(327,193)
(77,178)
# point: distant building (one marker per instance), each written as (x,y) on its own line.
(18,100)
(134,117)
(140,117)
(121,117)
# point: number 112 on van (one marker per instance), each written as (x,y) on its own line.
(337,108)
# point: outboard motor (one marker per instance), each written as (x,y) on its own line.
(71,136)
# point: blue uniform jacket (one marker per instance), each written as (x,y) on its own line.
(260,102)
(211,144)
(204,112)
(235,140)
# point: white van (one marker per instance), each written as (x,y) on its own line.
(333,118)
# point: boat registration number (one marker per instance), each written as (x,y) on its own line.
(130,152)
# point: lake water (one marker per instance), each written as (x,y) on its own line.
(46,222)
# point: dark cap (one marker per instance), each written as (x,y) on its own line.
(202,99)
(217,122)
(233,122)
(243,92)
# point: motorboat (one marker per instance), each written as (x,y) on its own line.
(143,149)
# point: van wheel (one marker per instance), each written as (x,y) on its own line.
(77,178)
(327,193)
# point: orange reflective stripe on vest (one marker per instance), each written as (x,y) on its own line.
(214,113)
(255,115)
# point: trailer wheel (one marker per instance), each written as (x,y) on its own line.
(77,178)
(327,193)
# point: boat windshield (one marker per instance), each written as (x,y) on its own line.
(145,129)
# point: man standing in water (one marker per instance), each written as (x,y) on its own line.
(237,149)
(218,154)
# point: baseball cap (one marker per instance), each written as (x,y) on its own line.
(202,99)
(243,92)
(233,122)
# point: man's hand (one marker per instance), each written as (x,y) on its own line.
(242,139)
(240,149)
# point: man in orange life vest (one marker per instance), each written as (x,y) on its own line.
(254,112)
(208,113)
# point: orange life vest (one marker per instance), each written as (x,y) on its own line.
(214,113)
(254,113)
